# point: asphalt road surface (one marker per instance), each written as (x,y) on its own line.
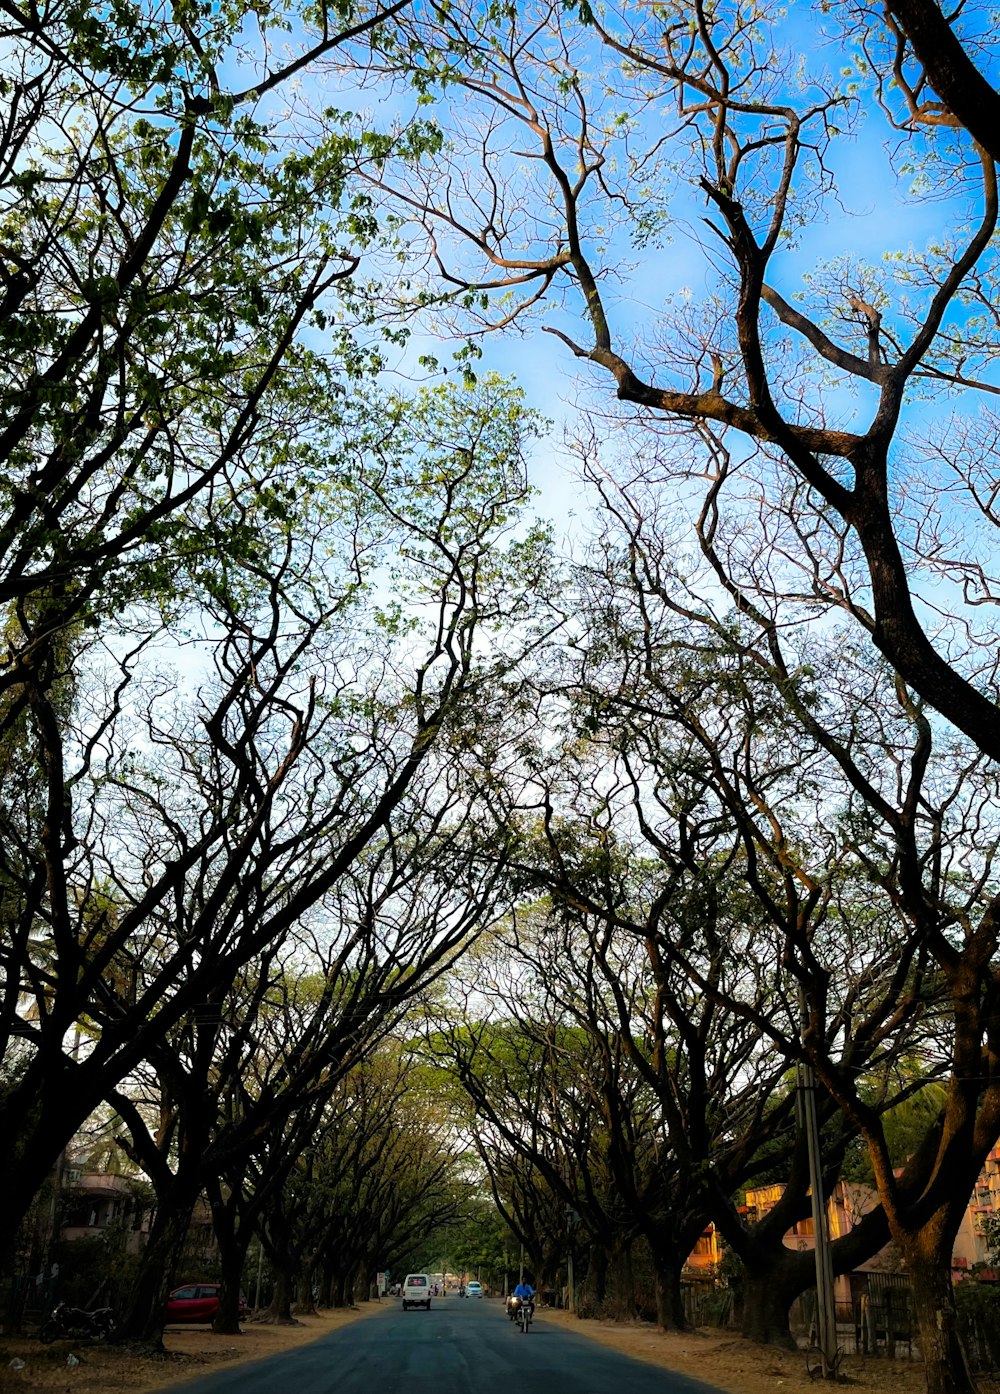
(461,1346)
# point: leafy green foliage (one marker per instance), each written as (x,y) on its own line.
(165,245)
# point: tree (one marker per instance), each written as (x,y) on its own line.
(798,408)
(514,1082)
(600,1102)
(388,1177)
(479,1242)
(696,1103)
(332,728)
(758,154)
(867,848)
(161,257)
(238,1095)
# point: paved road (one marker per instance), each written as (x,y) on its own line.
(461,1346)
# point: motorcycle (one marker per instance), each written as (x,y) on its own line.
(520,1310)
(65,1322)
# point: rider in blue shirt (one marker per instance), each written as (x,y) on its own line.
(525,1291)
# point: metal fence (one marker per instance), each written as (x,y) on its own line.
(881,1312)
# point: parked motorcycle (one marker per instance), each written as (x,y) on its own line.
(73,1323)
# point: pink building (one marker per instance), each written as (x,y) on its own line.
(970,1249)
(851,1200)
(844,1208)
(93,1202)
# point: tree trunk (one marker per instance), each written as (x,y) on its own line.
(38,1117)
(596,1284)
(945,1361)
(670,1243)
(280,1311)
(930,1202)
(620,1298)
(232,1260)
(670,1314)
(233,1233)
(304,1303)
(773,1275)
(768,1293)
(144,1319)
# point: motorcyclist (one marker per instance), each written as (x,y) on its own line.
(526,1293)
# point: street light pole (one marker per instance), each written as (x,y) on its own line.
(826,1311)
(260,1265)
(571,1219)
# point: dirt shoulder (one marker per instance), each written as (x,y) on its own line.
(734,1364)
(191,1352)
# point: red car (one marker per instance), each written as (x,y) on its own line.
(197,1302)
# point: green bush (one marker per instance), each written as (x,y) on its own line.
(96,1271)
(978,1305)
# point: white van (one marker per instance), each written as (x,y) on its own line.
(416,1291)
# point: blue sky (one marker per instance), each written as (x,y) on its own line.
(875,211)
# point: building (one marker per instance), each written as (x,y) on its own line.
(851,1200)
(971,1251)
(92,1203)
(844,1209)
(705,1256)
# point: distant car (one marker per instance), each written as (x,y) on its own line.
(197,1302)
(473,1289)
(416,1291)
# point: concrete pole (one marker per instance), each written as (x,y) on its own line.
(826,1311)
(260,1265)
